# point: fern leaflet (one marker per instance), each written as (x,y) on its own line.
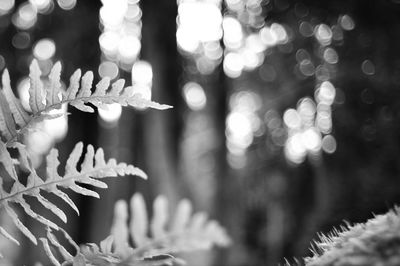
(15,121)
(102,255)
(186,232)
(93,168)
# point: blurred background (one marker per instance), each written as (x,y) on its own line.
(286,117)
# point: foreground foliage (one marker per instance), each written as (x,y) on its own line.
(20,182)
(376,242)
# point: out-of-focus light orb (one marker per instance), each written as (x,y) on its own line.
(195,96)
(21,40)
(251,60)
(205,65)
(132,27)
(238,124)
(245,101)
(311,139)
(236,161)
(143,90)
(6,6)
(301,55)
(66,4)
(280,32)
(254,43)
(235,5)
(233,65)
(346,22)
(134,13)
(109,41)
(268,36)
(23,93)
(306,109)
(57,128)
(142,73)
(202,18)
(38,142)
(213,50)
(239,130)
(25,17)
(112,13)
(41,5)
(272,115)
(44,49)
(326,93)
(187,40)
(367,67)
(337,33)
(307,68)
(279,136)
(232,2)
(324,109)
(306,29)
(329,144)
(111,113)
(129,48)
(108,69)
(322,73)
(324,123)
(295,151)
(233,34)
(323,33)
(331,56)
(292,119)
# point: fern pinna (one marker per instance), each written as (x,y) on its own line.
(154,238)
(15,122)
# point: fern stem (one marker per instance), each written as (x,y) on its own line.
(55,182)
(35,117)
(157,244)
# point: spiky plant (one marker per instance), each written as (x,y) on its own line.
(374,243)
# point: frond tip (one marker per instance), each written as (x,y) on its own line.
(93,168)
(45,97)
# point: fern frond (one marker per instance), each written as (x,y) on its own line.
(21,117)
(102,255)
(7,125)
(186,232)
(91,254)
(15,121)
(36,88)
(93,168)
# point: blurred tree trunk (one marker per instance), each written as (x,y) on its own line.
(161,129)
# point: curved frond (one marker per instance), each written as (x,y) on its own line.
(15,121)
(102,255)
(93,168)
(186,231)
